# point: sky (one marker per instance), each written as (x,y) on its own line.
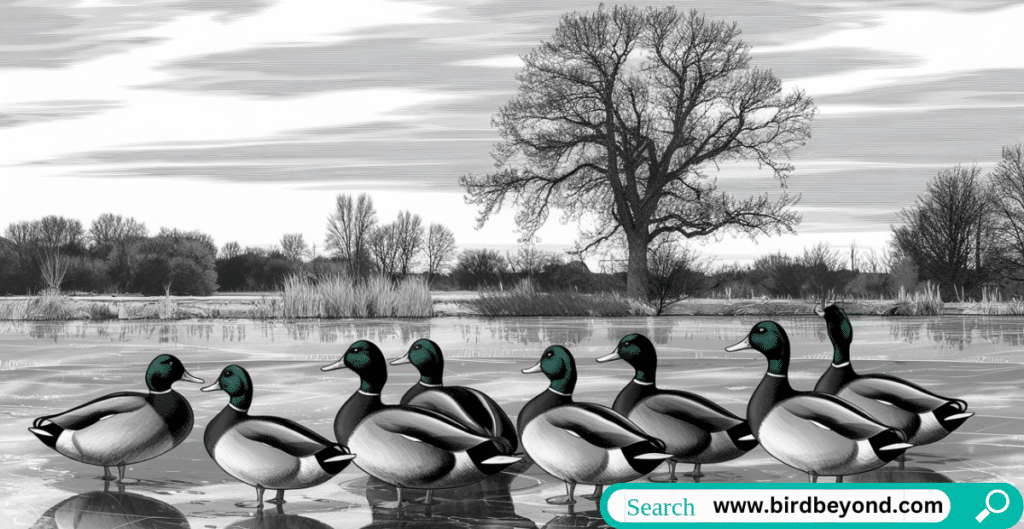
(245,118)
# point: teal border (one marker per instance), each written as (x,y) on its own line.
(966,501)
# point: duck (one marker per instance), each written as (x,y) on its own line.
(817,433)
(126,427)
(408,446)
(267,452)
(922,415)
(581,442)
(695,430)
(467,406)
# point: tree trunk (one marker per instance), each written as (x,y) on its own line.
(636,270)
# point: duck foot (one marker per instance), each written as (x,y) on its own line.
(696,474)
(596,495)
(278,499)
(107,476)
(426,500)
(666,478)
(259,498)
(392,505)
(564,500)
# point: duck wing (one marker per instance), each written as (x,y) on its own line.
(287,436)
(94,411)
(426,426)
(828,412)
(597,425)
(471,408)
(691,408)
(896,391)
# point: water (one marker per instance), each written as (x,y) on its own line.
(48,367)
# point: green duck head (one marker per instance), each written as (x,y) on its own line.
(426,356)
(236,382)
(165,370)
(638,351)
(840,332)
(365,358)
(558,364)
(768,338)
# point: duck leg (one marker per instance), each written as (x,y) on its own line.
(279,499)
(839,479)
(120,473)
(564,500)
(259,497)
(902,459)
(812,477)
(670,478)
(596,496)
(107,476)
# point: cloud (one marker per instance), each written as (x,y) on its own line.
(51,111)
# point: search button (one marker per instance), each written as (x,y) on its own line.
(988,506)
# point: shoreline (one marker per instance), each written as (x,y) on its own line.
(445,304)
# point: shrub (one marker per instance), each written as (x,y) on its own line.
(480,268)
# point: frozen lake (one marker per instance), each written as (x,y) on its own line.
(48,367)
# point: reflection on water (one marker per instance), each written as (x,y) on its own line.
(106,509)
(890,474)
(277,519)
(577,519)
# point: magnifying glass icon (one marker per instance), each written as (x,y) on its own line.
(988,506)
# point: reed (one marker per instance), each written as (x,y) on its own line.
(927,303)
(336,296)
(525,300)
(49,305)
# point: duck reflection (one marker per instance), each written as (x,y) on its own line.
(106,509)
(577,519)
(898,475)
(278,520)
(486,504)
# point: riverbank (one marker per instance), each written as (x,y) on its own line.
(445,303)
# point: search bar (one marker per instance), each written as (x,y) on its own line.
(981,505)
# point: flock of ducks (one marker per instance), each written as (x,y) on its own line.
(448,436)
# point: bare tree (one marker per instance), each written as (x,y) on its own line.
(348,231)
(409,237)
(231,249)
(676,272)
(623,115)
(946,232)
(294,246)
(109,231)
(529,260)
(383,245)
(1007,181)
(439,250)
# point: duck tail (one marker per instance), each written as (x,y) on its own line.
(334,458)
(47,432)
(493,456)
(742,436)
(952,414)
(645,456)
(889,444)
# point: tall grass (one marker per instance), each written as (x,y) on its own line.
(337,296)
(49,305)
(525,300)
(927,303)
(992,304)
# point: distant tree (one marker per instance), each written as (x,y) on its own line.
(175,261)
(230,249)
(948,229)
(409,238)
(623,115)
(676,272)
(479,267)
(439,250)
(823,273)
(348,231)
(529,261)
(1007,181)
(294,246)
(384,247)
(109,231)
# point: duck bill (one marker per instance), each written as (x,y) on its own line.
(399,361)
(212,387)
(614,355)
(187,377)
(745,344)
(534,369)
(340,364)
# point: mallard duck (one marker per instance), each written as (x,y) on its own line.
(694,429)
(579,442)
(106,509)
(124,428)
(408,446)
(467,406)
(263,451)
(922,415)
(817,433)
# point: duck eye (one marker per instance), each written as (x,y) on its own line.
(227,373)
(761,329)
